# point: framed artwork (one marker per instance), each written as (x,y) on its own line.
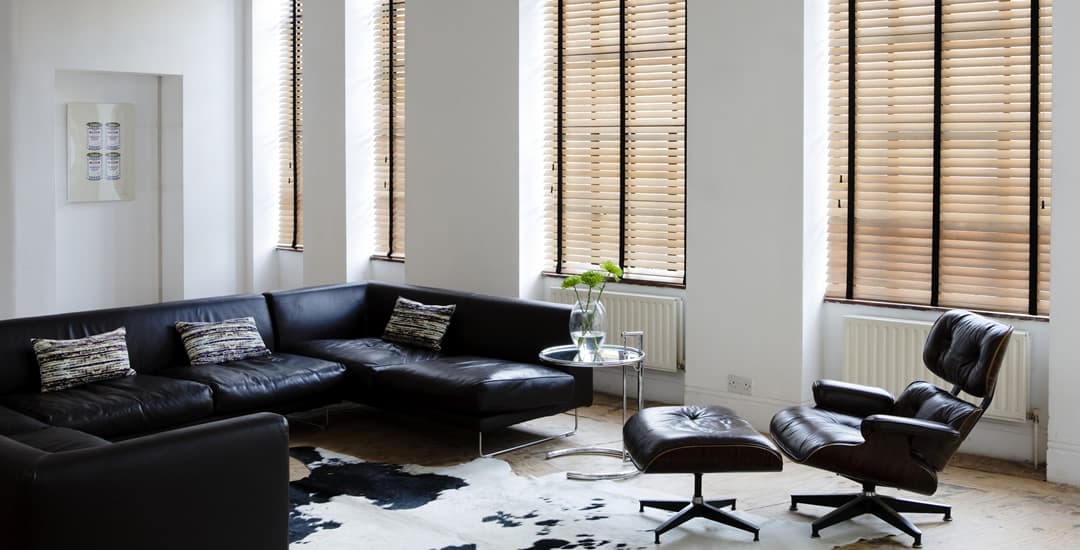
(101,152)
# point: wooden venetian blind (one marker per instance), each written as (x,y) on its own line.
(618,142)
(291,127)
(390,130)
(940,152)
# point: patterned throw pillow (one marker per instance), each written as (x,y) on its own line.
(228,340)
(69,363)
(418,324)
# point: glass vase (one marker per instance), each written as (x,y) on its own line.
(588,328)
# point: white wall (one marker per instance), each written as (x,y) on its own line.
(199,40)
(121,239)
(745,257)
(462,145)
(815,185)
(263,77)
(7,175)
(532,167)
(1063,455)
(338,141)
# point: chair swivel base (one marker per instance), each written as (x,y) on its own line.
(697,508)
(886,508)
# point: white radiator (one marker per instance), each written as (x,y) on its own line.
(660,317)
(887,353)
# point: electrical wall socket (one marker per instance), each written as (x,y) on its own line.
(740,385)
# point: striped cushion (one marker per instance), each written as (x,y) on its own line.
(418,324)
(229,340)
(69,363)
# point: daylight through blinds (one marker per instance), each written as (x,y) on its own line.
(940,129)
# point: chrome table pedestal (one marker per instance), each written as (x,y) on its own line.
(611,356)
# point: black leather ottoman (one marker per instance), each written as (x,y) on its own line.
(697,440)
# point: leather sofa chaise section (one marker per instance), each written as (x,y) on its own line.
(485,376)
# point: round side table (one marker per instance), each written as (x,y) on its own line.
(611,356)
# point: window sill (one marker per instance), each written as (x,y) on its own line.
(917,307)
(391,259)
(625,281)
(290,249)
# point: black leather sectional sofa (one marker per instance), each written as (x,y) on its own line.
(182,457)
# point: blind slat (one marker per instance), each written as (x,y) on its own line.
(290,125)
(390,129)
(623,82)
(984,143)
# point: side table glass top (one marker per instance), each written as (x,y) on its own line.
(611,356)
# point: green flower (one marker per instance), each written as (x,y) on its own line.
(592,279)
(614,270)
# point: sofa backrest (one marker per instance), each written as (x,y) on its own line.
(489,326)
(152,340)
(318,313)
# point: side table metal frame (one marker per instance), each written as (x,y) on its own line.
(639,369)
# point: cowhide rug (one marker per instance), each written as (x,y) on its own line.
(347,503)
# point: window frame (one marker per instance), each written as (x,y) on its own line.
(556,236)
(1036,286)
(294,183)
(386,48)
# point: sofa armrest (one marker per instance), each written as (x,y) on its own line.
(914,427)
(216,486)
(17,463)
(853,399)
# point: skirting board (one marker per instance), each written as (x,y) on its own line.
(1063,463)
(1004,440)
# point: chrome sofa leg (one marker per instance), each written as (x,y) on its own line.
(480,439)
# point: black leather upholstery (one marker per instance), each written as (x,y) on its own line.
(216,486)
(122,406)
(261,383)
(697,439)
(962,347)
(56,440)
(865,435)
(363,356)
(12,422)
(333,312)
(487,326)
(152,341)
(967,350)
(477,384)
(925,401)
(835,442)
(223,484)
(482,326)
(851,398)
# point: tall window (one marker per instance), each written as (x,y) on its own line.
(940,120)
(291,127)
(618,140)
(390,130)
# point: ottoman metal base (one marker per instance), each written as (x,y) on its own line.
(697,508)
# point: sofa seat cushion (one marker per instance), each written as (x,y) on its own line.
(55,440)
(263,382)
(12,422)
(476,385)
(122,406)
(363,356)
